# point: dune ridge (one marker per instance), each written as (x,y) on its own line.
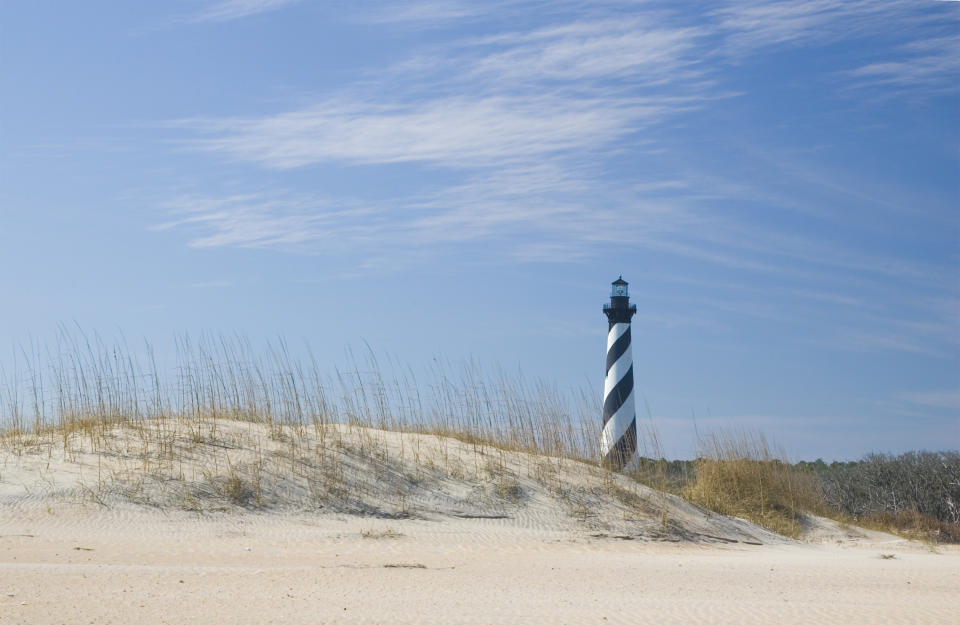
(185,521)
(223,465)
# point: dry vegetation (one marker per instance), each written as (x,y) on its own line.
(213,465)
(232,427)
(739,474)
(915,494)
(85,384)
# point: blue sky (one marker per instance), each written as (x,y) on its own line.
(777,180)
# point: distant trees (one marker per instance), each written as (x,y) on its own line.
(924,482)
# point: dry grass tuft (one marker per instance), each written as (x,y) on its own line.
(387,533)
(914,525)
(739,474)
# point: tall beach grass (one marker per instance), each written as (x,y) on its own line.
(78,393)
(316,436)
(740,473)
(84,382)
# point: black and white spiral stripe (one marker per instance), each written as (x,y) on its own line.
(619,438)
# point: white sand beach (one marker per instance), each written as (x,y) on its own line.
(83,541)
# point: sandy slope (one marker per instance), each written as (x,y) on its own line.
(129,565)
(231,465)
(474,537)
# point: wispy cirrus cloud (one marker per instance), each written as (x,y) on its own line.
(513,98)
(446,132)
(275,220)
(920,63)
(523,212)
(430,11)
(520,127)
(750,25)
(523,143)
(929,64)
(638,48)
(227,10)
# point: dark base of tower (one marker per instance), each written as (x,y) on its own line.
(623,451)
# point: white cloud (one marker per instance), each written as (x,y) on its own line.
(925,64)
(235,9)
(432,11)
(753,24)
(533,213)
(525,143)
(515,98)
(635,48)
(277,220)
(446,132)
(520,127)
(921,66)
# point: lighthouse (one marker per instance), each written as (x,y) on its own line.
(618,444)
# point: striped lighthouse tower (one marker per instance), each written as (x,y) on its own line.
(618,444)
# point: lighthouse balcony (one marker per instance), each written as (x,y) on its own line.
(620,306)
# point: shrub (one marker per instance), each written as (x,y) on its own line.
(739,475)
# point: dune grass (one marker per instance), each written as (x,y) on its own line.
(83,384)
(741,474)
(176,434)
(83,395)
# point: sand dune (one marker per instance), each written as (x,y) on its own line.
(248,523)
(233,465)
